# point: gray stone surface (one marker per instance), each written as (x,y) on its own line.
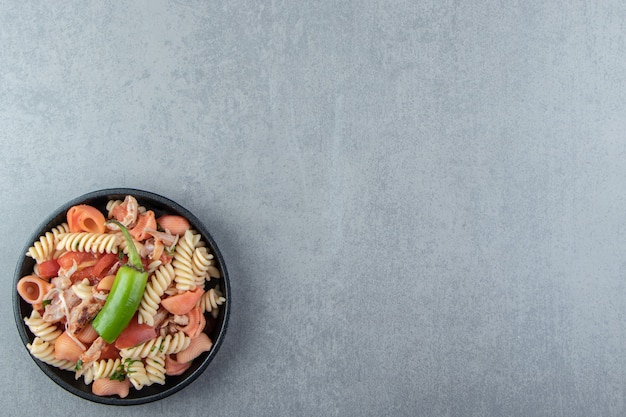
(421,203)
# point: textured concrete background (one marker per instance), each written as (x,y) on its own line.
(421,203)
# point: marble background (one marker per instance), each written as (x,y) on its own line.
(421,203)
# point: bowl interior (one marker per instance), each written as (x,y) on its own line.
(215,329)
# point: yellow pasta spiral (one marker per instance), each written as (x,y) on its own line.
(105,368)
(155,369)
(200,263)
(45,248)
(48,332)
(211,300)
(152,266)
(44,351)
(89,242)
(87,375)
(111,204)
(185,278)
(136,373)
(164,345)
(83,289)
(159,281)
(123,244)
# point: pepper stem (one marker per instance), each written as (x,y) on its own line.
(133,256)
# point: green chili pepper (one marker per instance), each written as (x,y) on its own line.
(125,295)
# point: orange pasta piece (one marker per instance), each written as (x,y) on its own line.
(144,221)
(88,334)
(196,323)
(173,367)
(84,218)
(106,386)
(33,289)
(176,225)
(200,344)
(182,303)
(66,348)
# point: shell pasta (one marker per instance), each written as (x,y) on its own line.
(77,268)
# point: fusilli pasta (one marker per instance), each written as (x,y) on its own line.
(155,369)
(165,345)
(211,300)
(155,288)
(83,289)
(185,278)
(136,373)
(44,351)
(46,247)
(200,263)
(89,242)
(47,332)
(105,368)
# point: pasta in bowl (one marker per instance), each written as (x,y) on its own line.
(122,297)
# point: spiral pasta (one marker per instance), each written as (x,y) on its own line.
(165,345)
(111,204)
(211,300)
(46,247)
(44,351)
(200,263)
(105,368)
(89,242)
(123,246)
(83,289)
(47,332)
(159,281)
(213,272)
(152,266)
(87,374)
(155,369)
(183,267)
(136,373)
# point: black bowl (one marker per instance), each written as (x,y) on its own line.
(160,205)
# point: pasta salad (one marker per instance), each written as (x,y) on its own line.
(121,298)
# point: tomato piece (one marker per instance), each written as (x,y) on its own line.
(165,258)
(109,351)
(134,334)
(145,262)
(83,259)
(82,274)
(105,263)
(48,269)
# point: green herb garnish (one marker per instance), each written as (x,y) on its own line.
(118,375)
(121,372)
